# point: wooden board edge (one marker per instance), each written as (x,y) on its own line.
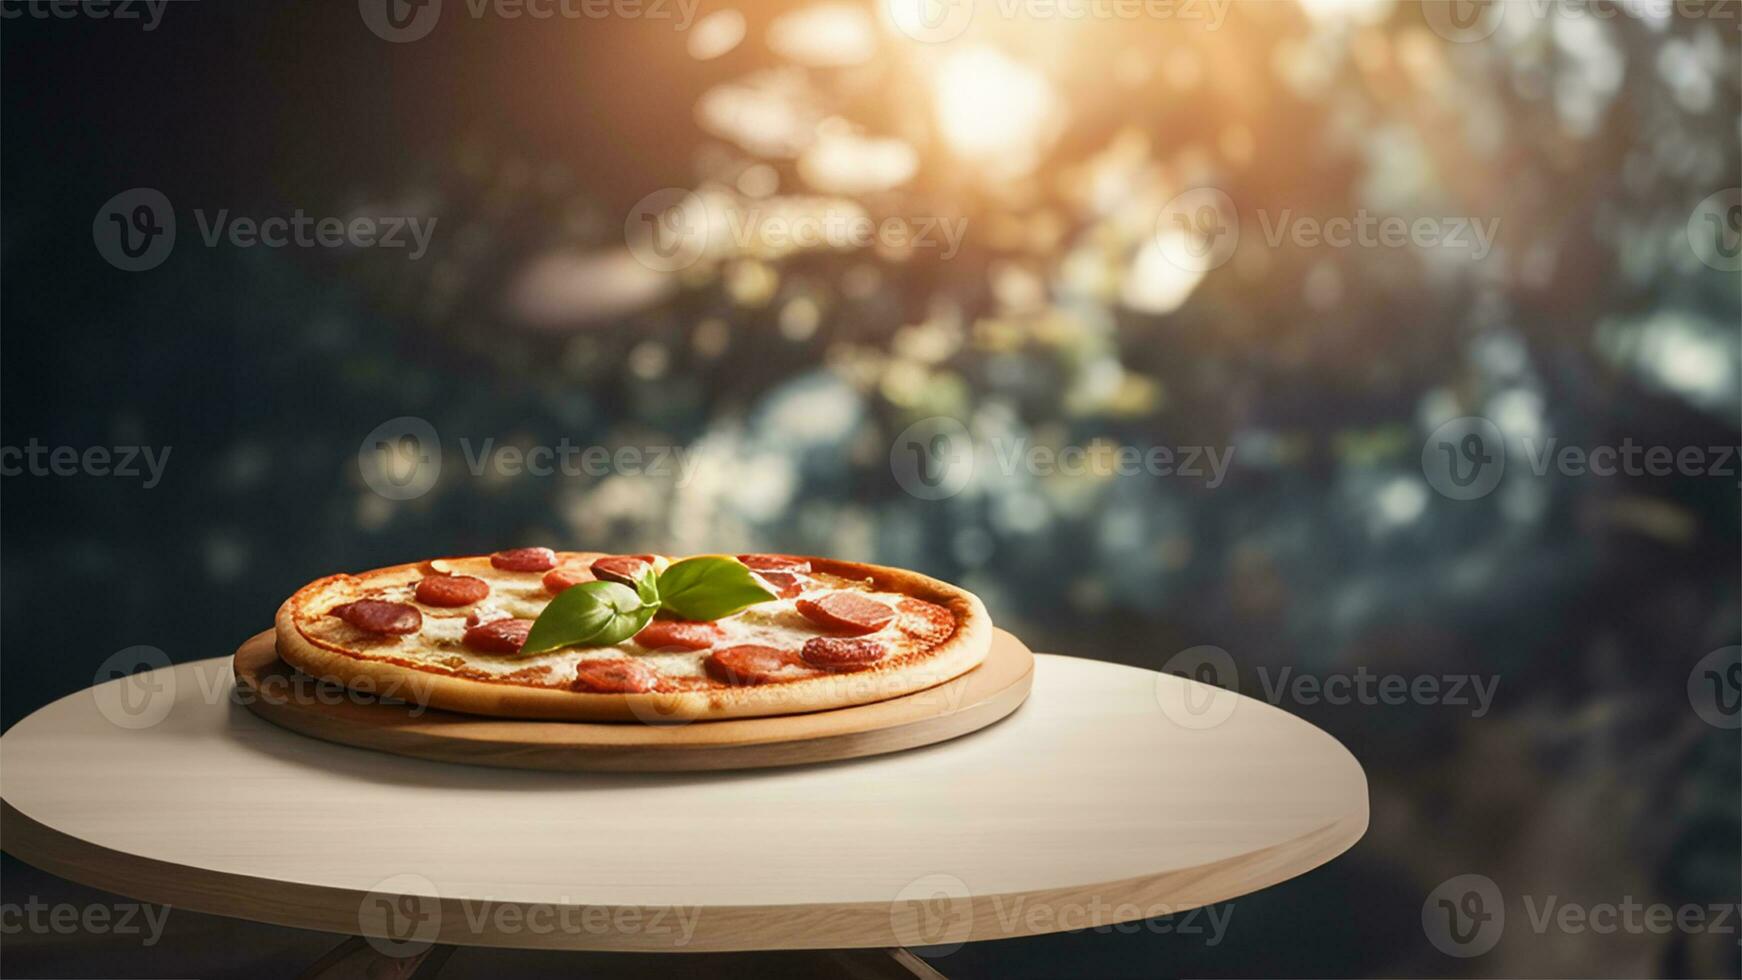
(346,727)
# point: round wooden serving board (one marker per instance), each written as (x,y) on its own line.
(274,690)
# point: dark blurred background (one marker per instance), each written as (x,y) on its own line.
(1096,300)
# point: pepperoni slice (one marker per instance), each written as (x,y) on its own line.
(785,584)
(379,616)
(565,577)
(750,664)
(683,634)
(925,621)
(847,612)
(614,676)
(842,654)
(524,559)
(498,635)
(622,569)
(775,563)
(451,590)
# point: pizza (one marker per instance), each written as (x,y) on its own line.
(453,633)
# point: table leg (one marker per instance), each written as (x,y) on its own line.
(355,959)
(884,964)
(911,962)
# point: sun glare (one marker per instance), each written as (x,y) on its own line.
(994,110)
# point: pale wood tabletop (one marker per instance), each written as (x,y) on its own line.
(1112,794)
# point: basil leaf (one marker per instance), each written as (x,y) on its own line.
(593,614)
(647,586)
(709,587)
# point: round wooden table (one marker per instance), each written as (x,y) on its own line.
(1114,794)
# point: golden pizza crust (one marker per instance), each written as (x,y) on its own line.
(899,675)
